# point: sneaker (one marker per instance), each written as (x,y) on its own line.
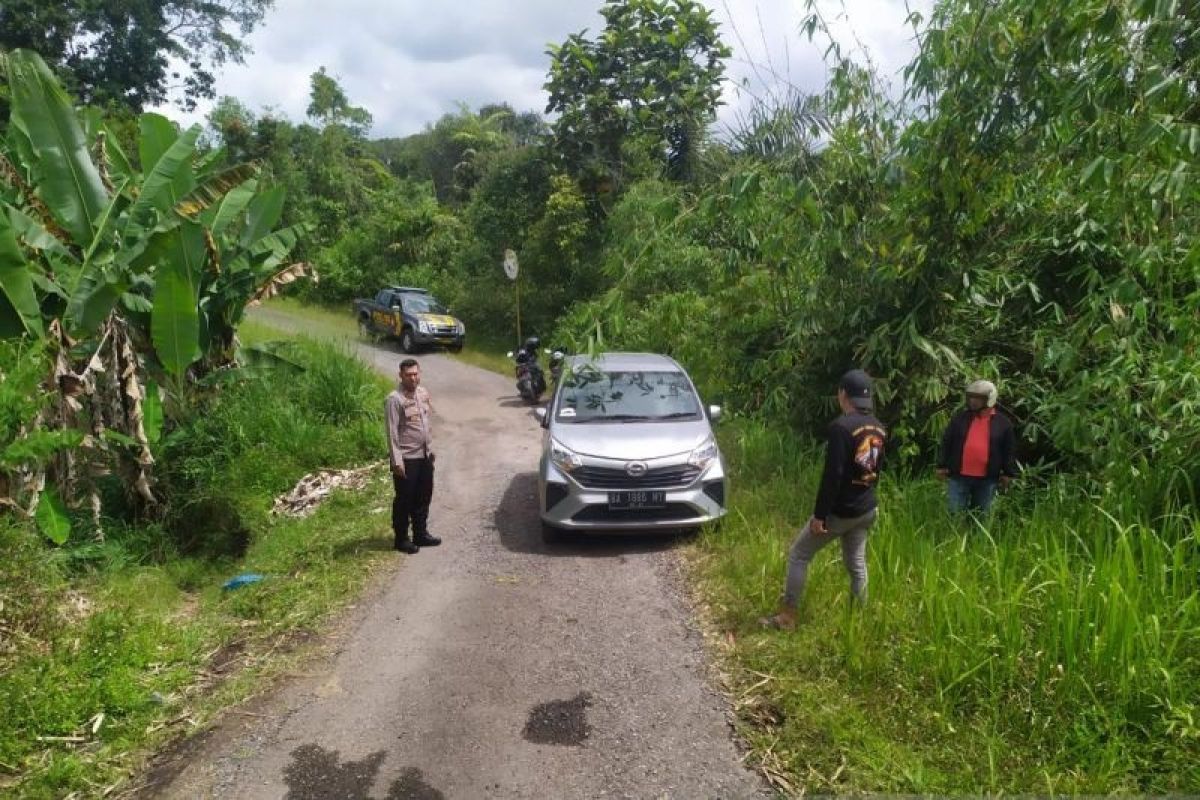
(425,540)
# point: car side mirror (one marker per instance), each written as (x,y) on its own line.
(543,417)
(714,413)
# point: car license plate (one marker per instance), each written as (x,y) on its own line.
(632,500)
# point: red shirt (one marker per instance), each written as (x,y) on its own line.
(976,447)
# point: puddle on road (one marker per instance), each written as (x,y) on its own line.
(562,722)
(316,774)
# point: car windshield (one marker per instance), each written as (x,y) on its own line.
(423,304)
(592,395)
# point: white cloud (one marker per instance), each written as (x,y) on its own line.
(408,62)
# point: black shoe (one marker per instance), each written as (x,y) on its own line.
(406,546)
(425,540)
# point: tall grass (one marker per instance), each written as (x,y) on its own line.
(1054,646)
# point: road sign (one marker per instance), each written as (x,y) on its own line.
(510,264)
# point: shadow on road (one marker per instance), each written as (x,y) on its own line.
(319,774)
(517,521)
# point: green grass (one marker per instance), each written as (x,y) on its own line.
(137,627)
(1054,648)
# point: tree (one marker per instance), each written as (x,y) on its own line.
(118,52)
(328,105)
(650,81)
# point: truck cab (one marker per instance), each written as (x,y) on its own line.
(414,316)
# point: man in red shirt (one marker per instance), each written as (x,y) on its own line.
(978,451)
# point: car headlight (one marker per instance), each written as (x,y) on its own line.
(704,455)
(566,460)
(423,326)
(462,329)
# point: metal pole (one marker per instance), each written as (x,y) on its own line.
(518,284)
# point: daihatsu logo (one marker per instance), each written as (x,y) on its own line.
(635,469)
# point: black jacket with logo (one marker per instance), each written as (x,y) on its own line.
(853,457)
(1002,445)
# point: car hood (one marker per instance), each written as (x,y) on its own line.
(632,441)
(437,319)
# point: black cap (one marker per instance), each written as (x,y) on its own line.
(857,386)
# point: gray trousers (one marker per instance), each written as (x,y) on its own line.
(852,532)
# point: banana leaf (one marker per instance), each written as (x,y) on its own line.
(175,321)
(265,211)
(68,182)
(167,182)
(213,189)
(16,284)
(231,206)
(156,134)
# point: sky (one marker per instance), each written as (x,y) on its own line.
(409,62)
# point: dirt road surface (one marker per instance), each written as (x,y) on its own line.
(493,666)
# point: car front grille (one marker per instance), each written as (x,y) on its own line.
(658,478)
(672,512)
(443,330)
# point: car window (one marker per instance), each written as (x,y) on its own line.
(423,304)
(591,395)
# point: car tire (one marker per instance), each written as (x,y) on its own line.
(456,348)
(408,342)
(551,534)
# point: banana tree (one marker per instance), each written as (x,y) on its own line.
(125,270)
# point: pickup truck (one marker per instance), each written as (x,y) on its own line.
(411,314)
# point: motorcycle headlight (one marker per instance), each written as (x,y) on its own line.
(423,326)
(704,455)
(566,460)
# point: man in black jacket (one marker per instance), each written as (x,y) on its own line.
(846,505)
(979,451)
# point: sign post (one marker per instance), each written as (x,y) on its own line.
(512,270)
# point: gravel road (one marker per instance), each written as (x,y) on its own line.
(493,666)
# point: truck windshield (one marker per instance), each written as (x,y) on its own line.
(423,304)
(590,395)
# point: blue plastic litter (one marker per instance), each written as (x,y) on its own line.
(242,580)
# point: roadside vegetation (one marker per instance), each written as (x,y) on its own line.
(1022,205)
(115,646)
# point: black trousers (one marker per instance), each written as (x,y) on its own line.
(414,492)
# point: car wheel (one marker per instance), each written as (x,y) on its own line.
(408,342)
(456,348)
(551,534)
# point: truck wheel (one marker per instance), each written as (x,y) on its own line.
(407,342)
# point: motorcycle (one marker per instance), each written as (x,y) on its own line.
(531,381)
(557,357)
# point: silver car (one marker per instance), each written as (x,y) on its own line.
(628,446)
